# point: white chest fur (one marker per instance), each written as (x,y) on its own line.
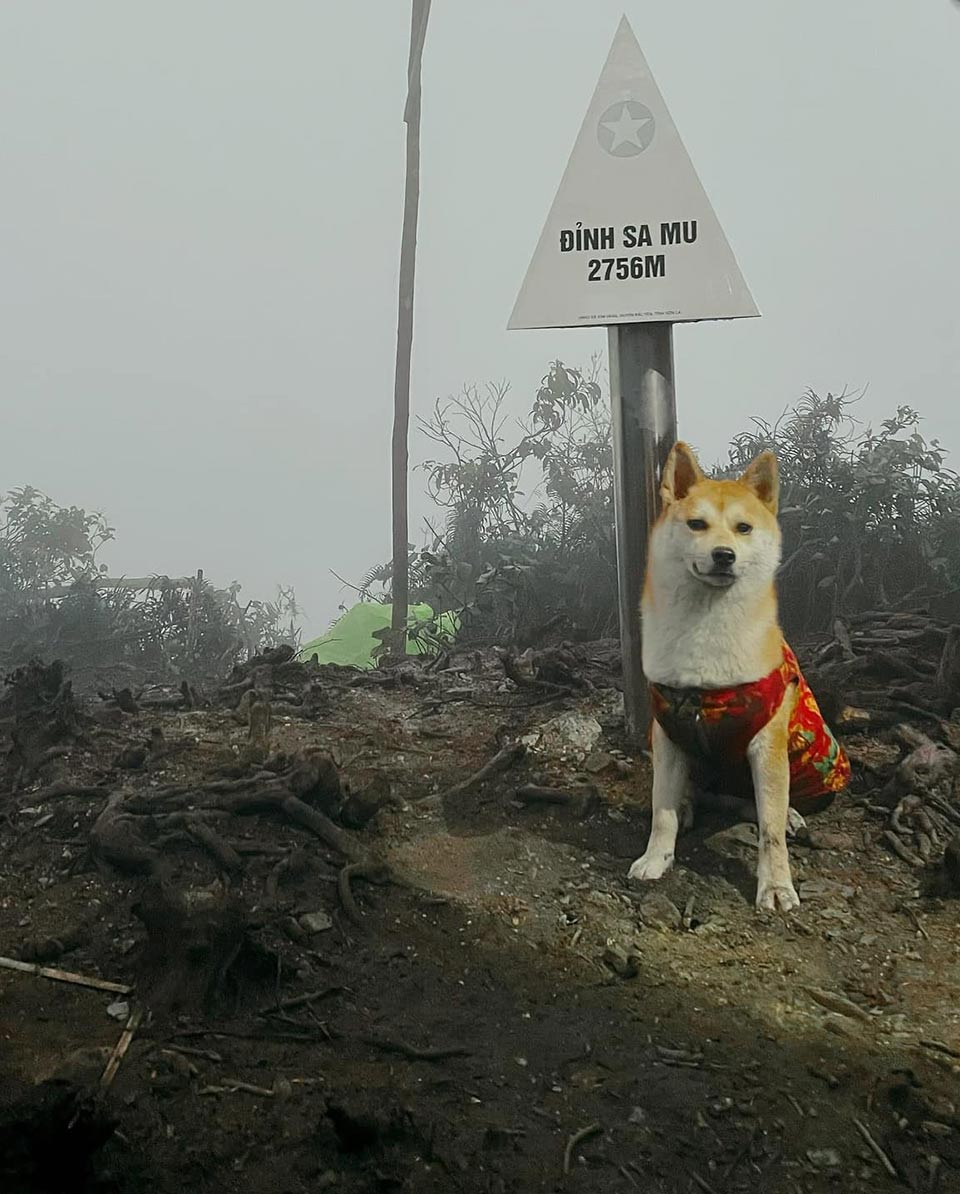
(699,638)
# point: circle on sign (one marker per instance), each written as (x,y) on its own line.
(626,128)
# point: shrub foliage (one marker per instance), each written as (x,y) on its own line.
(524,532)
(56,602)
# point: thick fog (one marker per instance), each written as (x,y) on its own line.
(200,208)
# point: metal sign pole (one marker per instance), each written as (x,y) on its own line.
(644,410)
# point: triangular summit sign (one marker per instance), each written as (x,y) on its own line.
(631,236)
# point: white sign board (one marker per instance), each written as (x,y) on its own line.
(631,236)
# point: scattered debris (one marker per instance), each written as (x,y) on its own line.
(623,965)
(580,800)
(316,922)
(657,911)
(568,735)
(503,760)
(122,1045)
(838,1003)
(64,976)
(442,1053)
(574,1142)
(512,940)
(876,1149)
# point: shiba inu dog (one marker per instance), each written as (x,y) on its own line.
(732,712)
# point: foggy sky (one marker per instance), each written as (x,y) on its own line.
(200,206)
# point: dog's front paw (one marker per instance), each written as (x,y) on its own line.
(778,897)
(652,865)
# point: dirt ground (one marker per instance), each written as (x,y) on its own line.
(507,1013)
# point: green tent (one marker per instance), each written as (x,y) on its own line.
(351,639)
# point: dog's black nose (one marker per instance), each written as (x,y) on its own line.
(723,557)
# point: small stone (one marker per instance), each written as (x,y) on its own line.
(814,889)
(839,1026)
(711,928)
(293,930)
(933,1127)
(739,842)
(658,912)
(566,734)
(824,1158)
(637,1116)
(623,965)
(822,839)
(119,1010)
(315,922)
(834,912)
(597,761)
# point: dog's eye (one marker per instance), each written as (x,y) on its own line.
(696,524)
(744,528)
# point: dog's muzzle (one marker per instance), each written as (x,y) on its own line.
(720,576)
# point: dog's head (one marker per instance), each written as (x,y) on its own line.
(722,534)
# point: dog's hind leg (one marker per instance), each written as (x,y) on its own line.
(770,767)
(672,803)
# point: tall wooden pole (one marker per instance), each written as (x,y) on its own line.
(401,399)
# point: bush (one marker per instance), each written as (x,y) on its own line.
(870,519)
(507,562)
(56,602)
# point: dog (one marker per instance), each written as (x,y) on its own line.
(732,712)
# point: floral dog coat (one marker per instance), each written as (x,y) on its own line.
(714,727)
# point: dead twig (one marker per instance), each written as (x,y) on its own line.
(679,1056)
(902,851)
(67,788)
(916,923)
(876,1149)
(121,1047)
(295,1001)
(512,670)
(232,1085)
(64,976)
(838,1003)
(579,802)
(943,808)
(282,800)
(702,1183)
(187,1051)
(310,1034)
(372,872)
(222,851)
(442,1053)
(322,827)
(940,1047)
(502,761)
(575,1141)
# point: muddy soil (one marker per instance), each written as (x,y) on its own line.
(492,1007)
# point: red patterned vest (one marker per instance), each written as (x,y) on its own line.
(714,726)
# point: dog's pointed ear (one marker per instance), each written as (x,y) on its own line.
(680,474)
(762,477)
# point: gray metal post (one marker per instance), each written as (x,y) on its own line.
(644,413)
